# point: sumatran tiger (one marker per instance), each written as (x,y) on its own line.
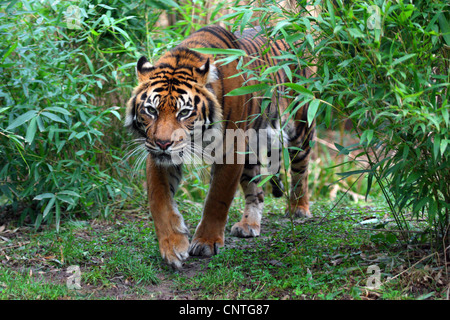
(184,88)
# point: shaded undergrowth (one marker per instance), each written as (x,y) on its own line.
(331,256)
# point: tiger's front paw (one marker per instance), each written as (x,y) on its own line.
(174,249)
(205,246)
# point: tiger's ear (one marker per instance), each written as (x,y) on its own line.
(207,73)
(143,68)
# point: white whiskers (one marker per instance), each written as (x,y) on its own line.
(192,156)
(139,151)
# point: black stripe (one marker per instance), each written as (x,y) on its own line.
(245,177)
(212,112)
(253,45)
(184,52)
(180,91)
(302,155)
(230,37)
(213,32)
(196,101)
(204,110)
(299,172)
(165,65)
(133,104)
(182,72)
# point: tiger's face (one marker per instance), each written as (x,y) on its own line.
(168,104)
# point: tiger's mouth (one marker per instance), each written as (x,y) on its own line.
(162,158)
(167,157)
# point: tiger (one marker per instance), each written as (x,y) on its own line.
(186,87)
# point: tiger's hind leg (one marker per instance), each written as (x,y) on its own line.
(299,154)
(250,224)
(276,183)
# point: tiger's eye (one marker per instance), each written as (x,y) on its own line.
(152,111)
(184,113)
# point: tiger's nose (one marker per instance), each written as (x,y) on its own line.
(164,144)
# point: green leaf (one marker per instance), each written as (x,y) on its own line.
(38,221)
(70,193)
(269,70)
(245,18)
(59,110)
(445,28)
(122,32)
(436,146)
(22,119)
(407,12)
(288,72)
(350,173)
(356,33)
(369,184)
(445,114)
(164,5)
(300,89)
(49,206)
(444,143)
(10,50)
(248,89)
(264,181)
(420,204)
(57,215)
(65,198)
(367,135)
(310,40)
(328,115)
(342,149)
(31,130)
(53,117)
(286,158)
(236,52)
(331,13)
(402,59)
(44,196)
(116,114)
(89,62)
(312,110)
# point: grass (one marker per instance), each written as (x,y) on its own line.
(326,257)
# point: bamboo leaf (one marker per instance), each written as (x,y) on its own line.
(49,206)
(31,130)
(53,117)
(236,52)
(300,89)
(264,181)
(312,110)
(402,59)
(248,89)
(22,119)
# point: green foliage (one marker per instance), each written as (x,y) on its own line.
(62,81)
(388,73)
(383,65)
(66,72)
